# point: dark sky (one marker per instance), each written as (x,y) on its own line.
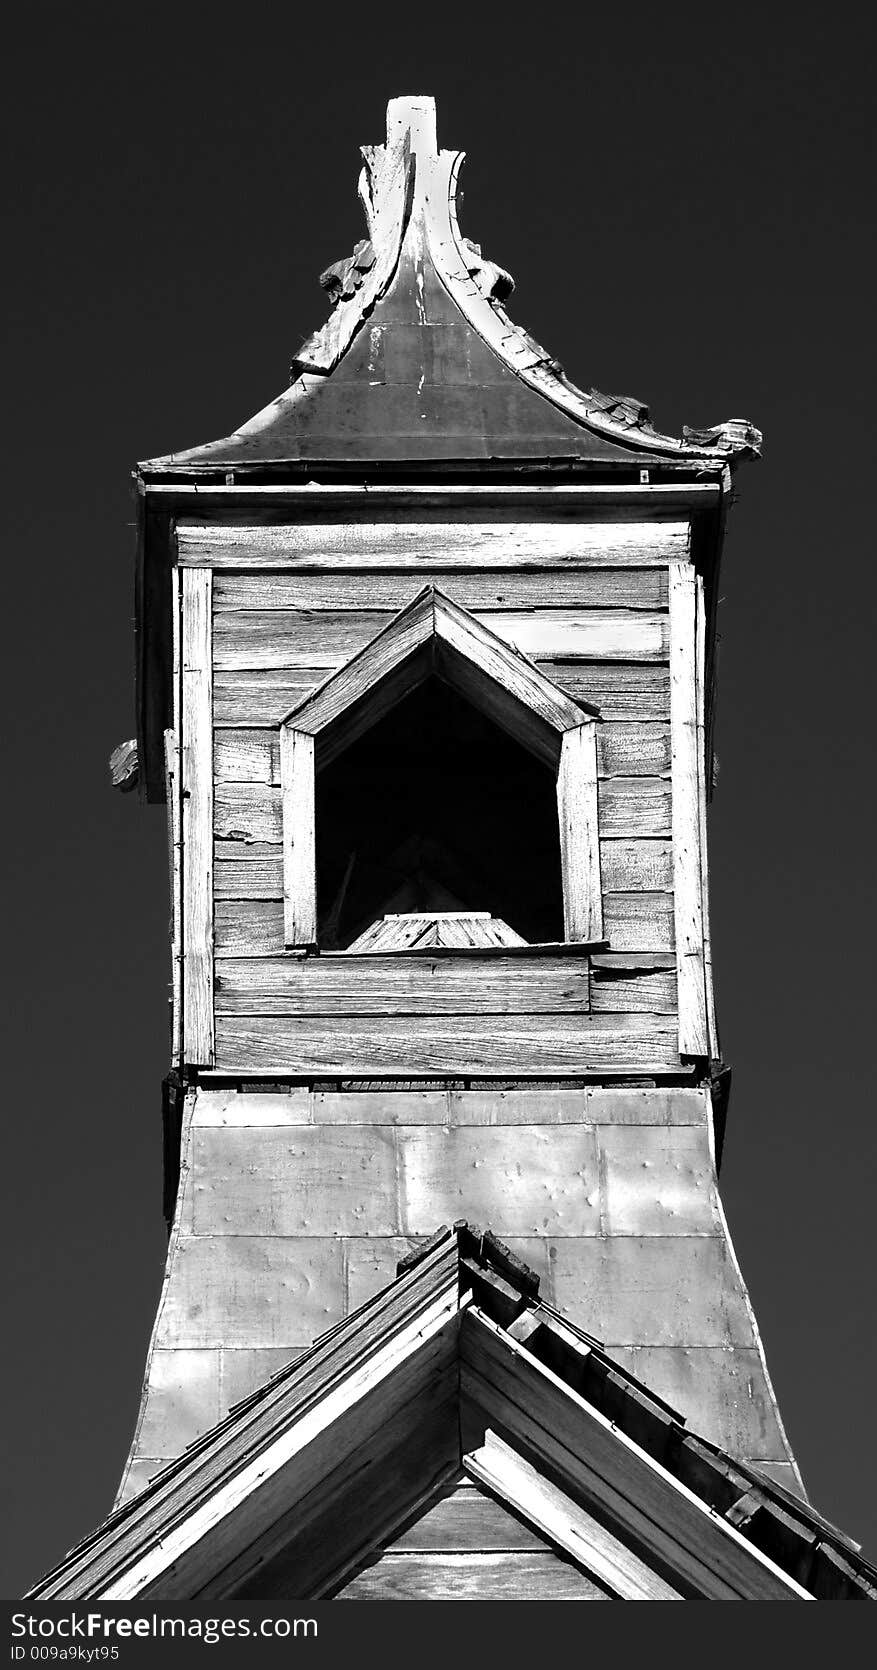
(683,197)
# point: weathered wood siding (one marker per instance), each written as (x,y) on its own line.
(466,1546)
(590,605)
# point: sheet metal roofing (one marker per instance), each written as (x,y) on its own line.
(419,360)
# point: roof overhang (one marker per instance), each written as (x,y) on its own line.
(457,1367)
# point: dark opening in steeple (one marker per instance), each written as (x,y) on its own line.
(436,808)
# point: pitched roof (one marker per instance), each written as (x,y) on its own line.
(458,1366)
(419,360)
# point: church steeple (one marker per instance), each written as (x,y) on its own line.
(426,679)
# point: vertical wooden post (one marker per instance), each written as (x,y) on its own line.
(174,800)
(197,815)
(686,777)
(297,777)
(172,791)
(579,836)
(700,672)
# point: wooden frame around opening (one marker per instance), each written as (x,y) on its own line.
(433,635)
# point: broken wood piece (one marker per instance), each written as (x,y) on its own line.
(124,765)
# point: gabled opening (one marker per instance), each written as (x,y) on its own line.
(436,808)
(436,642)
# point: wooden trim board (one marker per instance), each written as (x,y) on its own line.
(686,820)
(491,543)
(196,677)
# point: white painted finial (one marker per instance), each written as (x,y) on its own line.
(412,117)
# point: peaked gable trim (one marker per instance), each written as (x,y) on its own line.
(522,699)
(460,1339)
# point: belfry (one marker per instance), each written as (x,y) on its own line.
(426,666)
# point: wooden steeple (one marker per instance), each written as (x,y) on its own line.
(426,679)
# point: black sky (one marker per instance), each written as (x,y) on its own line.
(685,200)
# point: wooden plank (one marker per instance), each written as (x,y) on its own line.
(700,673)
(251,639)
(174,801)
(579,839)
(631,692)
(320,1543)
(583,588)
(424,931)
(638,921)
(298,831)
(172,797)
(246,1505)
(627,866)
(464,544)
(623,500)
(628,807)
(241,756)
(569,1526)
(637,692)
(401,986)
(249,927)
(253,870)
(412,1047)
(253,926)
(262,697)
(433,634)
(634,990)
(640,750)
(624,750)
(387,662)
(471,1576)
(687,875)
(465,1520)
(552,1422)
(196,765)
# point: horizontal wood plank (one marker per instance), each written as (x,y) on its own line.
(253,639)
(631,692)
(253,756)
(639,921)
(628,807)
(253,927)
(253,870)
(460,543)
(500,1045)
(467,1520)
(262,697)
(619,990)
(634,692)
(597,588)
(472,1576)
(626,866)
(402,986)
